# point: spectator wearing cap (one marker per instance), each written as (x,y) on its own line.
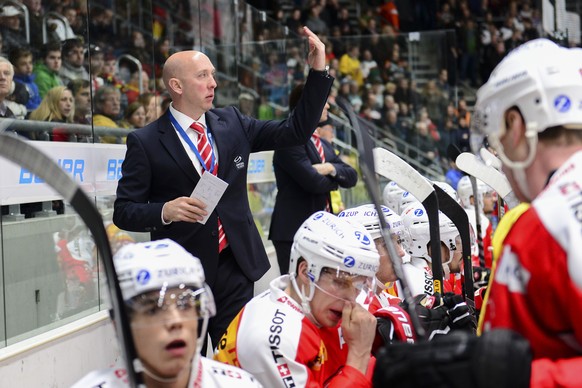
(73,59)
(21,58)
(11,28)
(47,69)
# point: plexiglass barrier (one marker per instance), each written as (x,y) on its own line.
(49,274)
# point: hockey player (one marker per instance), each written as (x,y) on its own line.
(276,336)
(535,125)
(367,216)
(417,245)
(483,204)
(166,298)
(529,110)
(391,196)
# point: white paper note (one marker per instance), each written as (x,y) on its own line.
(209,190)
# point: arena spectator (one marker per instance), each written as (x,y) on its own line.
(21,58)
(57,106)
(11,28)
(82,97)
(6,81)
(134,117)
(107,108)
(152,105)
(47,69)
(73,59)
(349,65)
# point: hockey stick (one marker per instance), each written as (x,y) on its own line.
(457,214)
(24,154)
(490,159)
(469,163)
(364,145)
(453,153)
(394,168)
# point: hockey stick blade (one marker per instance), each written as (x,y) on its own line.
(457,214)
(391,166)
(24,154)
(489,159)
(469,163)
(365,156)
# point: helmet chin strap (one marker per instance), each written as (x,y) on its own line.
(305,300)
(518,167)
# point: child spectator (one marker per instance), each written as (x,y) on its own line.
(21,58)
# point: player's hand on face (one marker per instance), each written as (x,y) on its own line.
(358,328)
(184,209)
(316,56)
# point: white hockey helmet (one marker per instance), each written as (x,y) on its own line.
(417,235)
(367,216)
(391,195)
(544,82)
(406,198)
(162,265)
(448,189)
(327,241)
(465,190)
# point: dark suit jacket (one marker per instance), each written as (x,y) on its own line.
(301,190)
(157,169)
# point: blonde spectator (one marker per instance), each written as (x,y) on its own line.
(134,117)
(57,106)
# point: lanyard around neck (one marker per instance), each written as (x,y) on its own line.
(188,141)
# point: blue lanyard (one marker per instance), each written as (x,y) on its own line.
(193,147)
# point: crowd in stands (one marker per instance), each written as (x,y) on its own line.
(74,67)
(369,57)
(367,54)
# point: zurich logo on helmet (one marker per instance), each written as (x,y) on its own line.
(143,276)
(562,103)
(362,237)
(405,194)
(318,216)
(418,212)
(349,261)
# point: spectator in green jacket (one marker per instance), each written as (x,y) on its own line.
(47,69)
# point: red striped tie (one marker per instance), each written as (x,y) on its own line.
(205,150)
(317,142)
(316,139)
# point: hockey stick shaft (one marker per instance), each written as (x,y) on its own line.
(24,154)
(457,214)
(365,156)
(394,168)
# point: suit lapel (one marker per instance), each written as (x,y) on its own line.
(223,140)
(173,146)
